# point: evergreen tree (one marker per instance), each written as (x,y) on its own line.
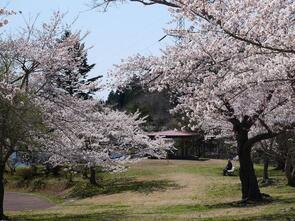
(72,81)
(136,97)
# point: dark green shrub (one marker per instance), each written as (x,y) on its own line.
(38,184)
(25,173)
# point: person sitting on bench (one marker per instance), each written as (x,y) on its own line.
(228,169)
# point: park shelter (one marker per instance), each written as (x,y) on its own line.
(187,144)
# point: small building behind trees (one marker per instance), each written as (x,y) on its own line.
(188,144)
(192,146)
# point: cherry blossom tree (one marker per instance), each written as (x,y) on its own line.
(29,64)
(101,137)
(88,133)
(234,70)
(69,129)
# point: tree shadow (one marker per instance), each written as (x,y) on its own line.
(98,216)
(248,204)
(194,158)
(120,184)
(202,159)
(290,200)
(277,216)
(237,204)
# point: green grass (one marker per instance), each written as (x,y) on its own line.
(183,208)
(118,185)
(165,191)
(223,190)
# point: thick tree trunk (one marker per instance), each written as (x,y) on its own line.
(250,188)
(265,170)
(290,171)
(280,164)
(85,173)
(92,178)
(2,216)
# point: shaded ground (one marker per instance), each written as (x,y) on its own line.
(22,201)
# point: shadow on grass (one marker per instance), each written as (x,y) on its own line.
(290,200)
(102,216)
(192,158)
(285,216)
(130,184)
(202,159)
(203,207)
(121,184)
(122,212)
(240,204)
(235,204)
(182,209)
(119,217)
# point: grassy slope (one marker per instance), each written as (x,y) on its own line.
(172,190)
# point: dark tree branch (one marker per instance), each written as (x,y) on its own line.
(160,2)
(258,44)
(261,109)
(105,3)
(259,138)
(211,19)
(265,125)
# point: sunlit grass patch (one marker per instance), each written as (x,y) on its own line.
(223,190)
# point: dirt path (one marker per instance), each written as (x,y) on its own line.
(22,201)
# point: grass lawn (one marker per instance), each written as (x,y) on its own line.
(171,190)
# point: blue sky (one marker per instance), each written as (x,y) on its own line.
(122,31)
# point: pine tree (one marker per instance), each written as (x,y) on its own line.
(72,81)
